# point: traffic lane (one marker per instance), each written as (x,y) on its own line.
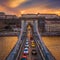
(24,54)
(37,55)
(20,54)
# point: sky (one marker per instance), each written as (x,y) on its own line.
(19,7)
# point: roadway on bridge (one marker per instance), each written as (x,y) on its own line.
(32,45)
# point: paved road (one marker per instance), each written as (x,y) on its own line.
(30,56)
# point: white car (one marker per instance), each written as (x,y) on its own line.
(26,45)
(26,51)
(27,40)
(26,48)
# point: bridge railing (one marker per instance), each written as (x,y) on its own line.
(12,55)
(47,55)
(46,52)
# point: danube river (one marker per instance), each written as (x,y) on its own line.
(53,44)
(7,43)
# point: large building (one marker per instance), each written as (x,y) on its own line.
(2,15)
(52,26)
(41,25)
(11,17)
(46,22)
(47,16)
(29,15)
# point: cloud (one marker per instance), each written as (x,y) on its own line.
(42,10)
(30,6)
(14,3)
(7,11)
(55,4)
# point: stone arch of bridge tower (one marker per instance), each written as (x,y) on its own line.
(33,23)
(29,23)
(31,26)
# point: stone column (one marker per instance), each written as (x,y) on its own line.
(35,26)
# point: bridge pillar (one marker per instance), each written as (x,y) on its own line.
(34,23)
(23,25)
(35,26)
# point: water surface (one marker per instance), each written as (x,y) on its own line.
(53,44)
(6,45)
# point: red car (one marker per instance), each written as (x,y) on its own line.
(24,57)
(31,38)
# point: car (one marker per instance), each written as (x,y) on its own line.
(31,38)
(26,51)
(32,41)
(33,45)
(27,46)
(27,42)
(23,58)
(34,52)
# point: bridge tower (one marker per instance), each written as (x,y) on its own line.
(33,23)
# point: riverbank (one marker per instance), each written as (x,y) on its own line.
(50,34)
(9,34)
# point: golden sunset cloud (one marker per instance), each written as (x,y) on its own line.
(15,3)
(5,10)
(34,10)
(42,10)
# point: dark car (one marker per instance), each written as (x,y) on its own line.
(23,59)
(34,52)
(31,37)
